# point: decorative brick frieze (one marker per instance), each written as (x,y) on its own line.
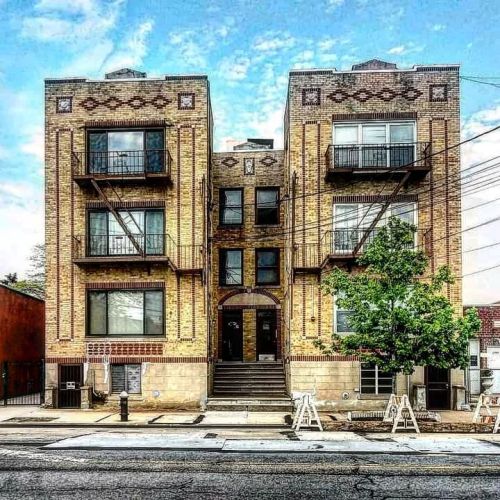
(128,359)
(135,102)
(374,198)
(124,285)
(229,161)
(120,348)
(126,123)
(127,204)
(322,358)
(268,161)
(394,115)
(385,94)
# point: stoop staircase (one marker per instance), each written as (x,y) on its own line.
(256,386)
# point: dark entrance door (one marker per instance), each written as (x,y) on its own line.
(70,380)
(266,333)
(438,388)
(232,335)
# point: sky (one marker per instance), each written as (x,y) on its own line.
(247,48)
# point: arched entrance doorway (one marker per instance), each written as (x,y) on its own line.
(249,326)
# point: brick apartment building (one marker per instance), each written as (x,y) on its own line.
(179,274)
(484,350)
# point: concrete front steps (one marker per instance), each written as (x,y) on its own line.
(258,386)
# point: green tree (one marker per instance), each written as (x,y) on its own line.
(399,319)
(34,284)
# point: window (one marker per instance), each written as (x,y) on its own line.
(231,267)
(267,206)
(374,381)
(353,219)
(375,145)
(268,271)
(341,319)
(126,378)
(106,237)
(125,312)
(126,151)
(231,207)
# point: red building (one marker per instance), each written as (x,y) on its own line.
(485,349)
(22,343)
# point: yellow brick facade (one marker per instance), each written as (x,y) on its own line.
(177,368)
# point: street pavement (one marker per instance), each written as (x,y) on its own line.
(248,466)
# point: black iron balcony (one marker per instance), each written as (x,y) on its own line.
(340,244)
(145,165)
(390,158)
(108,249)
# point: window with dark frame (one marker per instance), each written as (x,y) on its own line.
(126,151)
(230,267)
(231,207)
(267,266)
(125,313)
(105,237)
(126,378)
(267,206)
(374,381)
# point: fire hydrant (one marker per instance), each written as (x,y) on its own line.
(124,406)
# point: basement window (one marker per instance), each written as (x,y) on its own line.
(126,378)
(375,381)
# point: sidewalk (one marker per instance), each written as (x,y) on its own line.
(304,442)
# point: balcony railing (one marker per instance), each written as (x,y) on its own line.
(343,242)
(339,244)
(122,163)
(143,248)
(378,156)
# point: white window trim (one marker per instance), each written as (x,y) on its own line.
(387,124)
(376,393)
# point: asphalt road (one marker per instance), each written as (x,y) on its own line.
(29,471)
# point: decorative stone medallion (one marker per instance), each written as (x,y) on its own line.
(438,93)
(64,105)
(249,166)
(311,97)
(185,100)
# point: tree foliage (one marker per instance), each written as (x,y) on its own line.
(34,284)
(399,319)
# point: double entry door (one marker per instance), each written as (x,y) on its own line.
(232,334)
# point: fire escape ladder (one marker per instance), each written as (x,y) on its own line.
(119,218)
(375,221)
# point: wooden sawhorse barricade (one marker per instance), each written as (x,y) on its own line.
(306,414)
(400,412)
(487,401)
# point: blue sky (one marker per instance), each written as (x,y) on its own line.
(246,47)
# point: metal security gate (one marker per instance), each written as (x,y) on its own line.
(70,381)
(22,383)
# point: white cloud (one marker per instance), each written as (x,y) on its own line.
(35,144)
(234,68)
(482,287)
(133,50)
(21,224)
(72,21)
(332,5)
(272,42)
(438,27)
(408,48)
